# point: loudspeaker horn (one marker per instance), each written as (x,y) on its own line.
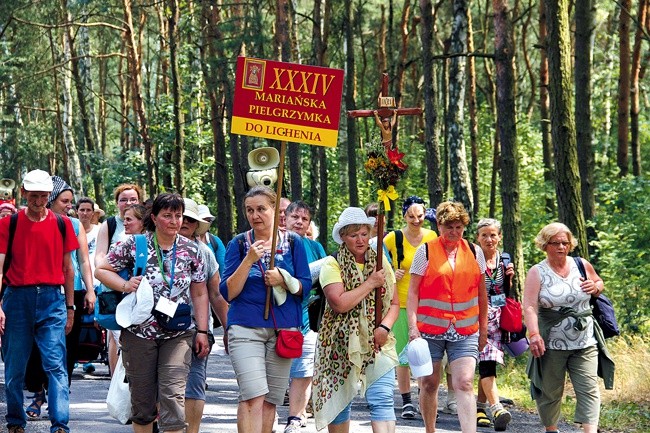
(7,183)
(263,158)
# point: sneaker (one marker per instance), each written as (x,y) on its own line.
(15,429)
(89,368)
(408,411)
(292,427)
(451,408)
(501,419)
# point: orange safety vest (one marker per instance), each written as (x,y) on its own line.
(449,295)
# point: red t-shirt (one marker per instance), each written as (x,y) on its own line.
(37,250)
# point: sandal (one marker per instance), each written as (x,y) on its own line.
(482,419)
(33,411)
(408,411)
(501,419)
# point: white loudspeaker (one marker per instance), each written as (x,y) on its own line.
(263,158)
(7,183)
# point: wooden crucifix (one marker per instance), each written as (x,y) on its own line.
(386,118)
(386,114)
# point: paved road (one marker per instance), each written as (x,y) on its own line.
(88,412)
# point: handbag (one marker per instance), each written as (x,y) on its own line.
(181,320)
(511,317)
(289,343)
(118,398)
(601,308)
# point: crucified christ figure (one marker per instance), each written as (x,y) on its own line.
(386,125)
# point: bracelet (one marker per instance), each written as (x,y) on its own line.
(533,335)
(200,331)
(381,325)
(124,286)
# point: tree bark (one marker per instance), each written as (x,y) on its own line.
(350,104)
(461,184)
(584,43)
(622,158)
(473,116)
(74,164)
(431,138)
(179,118)
(139,107)
(506,115)
(567,180)
(544,109)
(212,69)
(635,146)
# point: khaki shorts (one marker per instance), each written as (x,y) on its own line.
(259,370)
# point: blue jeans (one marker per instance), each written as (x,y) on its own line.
(35,313)
(379,397)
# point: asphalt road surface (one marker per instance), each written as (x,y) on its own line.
(88,412)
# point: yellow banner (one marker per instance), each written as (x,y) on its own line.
(284,131)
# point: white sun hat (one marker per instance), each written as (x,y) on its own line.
(204,212)
(419,358)
(192,211)
(350,215)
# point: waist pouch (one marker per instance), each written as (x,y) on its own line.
(181,321)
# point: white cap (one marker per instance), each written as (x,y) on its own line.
(349,216)
(419,358)
(38,180)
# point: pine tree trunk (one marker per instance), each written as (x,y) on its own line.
(584,43)
(622,158)
(460,180)
(211,65)
(544,109)
(431,138)
(178,157)
(139,107)
(506,115)
(473,115)
(567,180)
(350,104)
(635,146)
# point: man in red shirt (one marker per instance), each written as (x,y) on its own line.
(38,302)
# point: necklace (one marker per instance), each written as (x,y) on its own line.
(172,271)
(563,270)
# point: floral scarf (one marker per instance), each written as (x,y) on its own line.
(345,352)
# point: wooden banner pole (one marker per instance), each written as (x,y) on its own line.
(276,222)
(380,260)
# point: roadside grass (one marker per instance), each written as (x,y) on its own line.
(625,409)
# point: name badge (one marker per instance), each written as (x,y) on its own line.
(166,306)
(498,300)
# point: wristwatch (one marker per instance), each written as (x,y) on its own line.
(71,307)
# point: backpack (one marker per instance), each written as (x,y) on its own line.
(111,222)
(601,308)
(107,299)
(316,303)
(399,247)
(13,222)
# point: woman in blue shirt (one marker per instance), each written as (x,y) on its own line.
(261,374)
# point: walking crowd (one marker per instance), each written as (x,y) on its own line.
(427,305)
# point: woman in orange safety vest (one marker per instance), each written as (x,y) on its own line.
(447,306)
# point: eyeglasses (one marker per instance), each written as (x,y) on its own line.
(556,244)
(128,200)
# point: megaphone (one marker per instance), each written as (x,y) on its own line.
(263,158)
(7,189)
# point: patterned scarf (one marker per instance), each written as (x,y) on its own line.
(345,341)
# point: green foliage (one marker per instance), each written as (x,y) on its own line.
(622,256)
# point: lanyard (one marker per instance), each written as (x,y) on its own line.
(160,263)
(493,276)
